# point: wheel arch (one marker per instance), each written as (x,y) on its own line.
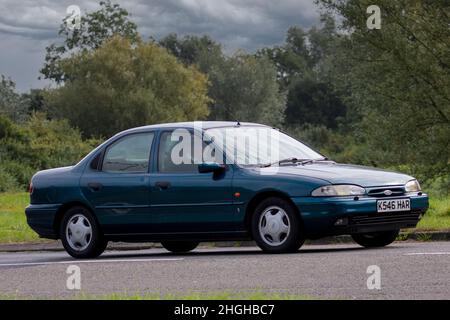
(257,198)
(63,209)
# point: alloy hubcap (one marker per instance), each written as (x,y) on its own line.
(79,232)
(274,226)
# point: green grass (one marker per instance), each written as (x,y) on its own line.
(13,226)
(438,216)
(190,296)
(199,296)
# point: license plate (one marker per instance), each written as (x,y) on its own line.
(393,205)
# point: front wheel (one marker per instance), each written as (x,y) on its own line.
(276,226)
(80,234)
(179,246)
(376,239)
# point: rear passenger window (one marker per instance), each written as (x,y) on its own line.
(129,155)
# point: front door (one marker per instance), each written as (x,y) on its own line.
(184,200)
(118,189)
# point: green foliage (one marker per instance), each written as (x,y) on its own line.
(398,80)
(12,104)
(291,59)
(304,64)
(35,99)
(121,85)
(7,181)
(20,173)
(203,51)
(95,28)
(35,145)
(313,102)
(245,88)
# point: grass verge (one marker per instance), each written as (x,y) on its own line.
(438,216)
(13,224)
(190,296)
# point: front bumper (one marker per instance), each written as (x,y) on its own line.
(320,215)
(41,218)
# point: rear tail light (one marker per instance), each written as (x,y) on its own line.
(30,188)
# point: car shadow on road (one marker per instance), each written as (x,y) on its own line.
(225,252)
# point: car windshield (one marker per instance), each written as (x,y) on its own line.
(260,146)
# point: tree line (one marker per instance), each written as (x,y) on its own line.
(373,97)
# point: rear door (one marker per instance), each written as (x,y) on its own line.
(118,189)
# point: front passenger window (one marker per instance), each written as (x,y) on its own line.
(130,154)
(165,162)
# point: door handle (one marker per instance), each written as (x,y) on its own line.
(163,185)
(95,186)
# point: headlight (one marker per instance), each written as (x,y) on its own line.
(412,186)
(338,191)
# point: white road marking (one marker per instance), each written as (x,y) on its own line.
(22,264)
(426,253)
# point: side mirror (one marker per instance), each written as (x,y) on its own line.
(208,167)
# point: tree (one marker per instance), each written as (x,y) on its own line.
(12,104)
(94,29)
(291,59)
(245,88)
(398,78)
(312,102)
(122,85)
(201,51)
(35,99)
(305,70)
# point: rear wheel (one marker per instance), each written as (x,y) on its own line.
(80,234)
(179,246)
(276,226)
(376,239)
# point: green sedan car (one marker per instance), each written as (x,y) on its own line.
(155,184)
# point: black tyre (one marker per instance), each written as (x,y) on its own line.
(81,235)
(276,226)
(179,246)
(376,239)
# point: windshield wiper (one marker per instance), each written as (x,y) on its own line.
(293,161)
(288,160)
(312,161)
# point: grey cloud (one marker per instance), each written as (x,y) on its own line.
(27,26)
(253,23)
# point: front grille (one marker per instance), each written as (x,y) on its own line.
(386,192)
(384,218)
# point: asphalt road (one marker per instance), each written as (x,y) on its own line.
(409,270)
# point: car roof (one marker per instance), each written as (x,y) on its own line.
(194,124)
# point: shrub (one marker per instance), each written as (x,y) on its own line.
(20,172)
(35,145)
(7,181)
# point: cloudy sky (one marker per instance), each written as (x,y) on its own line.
(28,26)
